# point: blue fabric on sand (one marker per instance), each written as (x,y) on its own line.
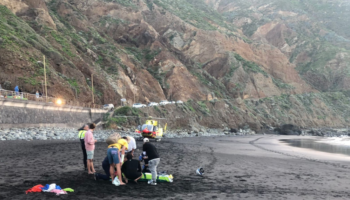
(48,185)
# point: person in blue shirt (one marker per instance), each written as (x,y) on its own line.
(17,90)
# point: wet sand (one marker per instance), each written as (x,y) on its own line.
(254,167)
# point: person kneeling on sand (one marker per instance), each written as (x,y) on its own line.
(116,144)
(143,157)
(90,148)
(131,169)
(105,167)
(153,159)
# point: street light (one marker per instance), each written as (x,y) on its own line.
(135,89)
(59,102)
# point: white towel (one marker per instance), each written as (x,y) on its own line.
(51,187)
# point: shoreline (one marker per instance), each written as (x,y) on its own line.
(306,153)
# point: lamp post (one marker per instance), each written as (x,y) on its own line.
(135,89)
(45,80)
(42,87)
(92,88)
(134,95)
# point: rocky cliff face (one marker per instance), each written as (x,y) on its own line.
(311,34)
(150,50)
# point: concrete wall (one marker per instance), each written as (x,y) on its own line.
(19,114)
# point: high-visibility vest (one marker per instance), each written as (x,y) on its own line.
(82,134)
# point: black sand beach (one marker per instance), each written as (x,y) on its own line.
(257,167)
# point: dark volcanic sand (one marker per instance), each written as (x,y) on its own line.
(236,168)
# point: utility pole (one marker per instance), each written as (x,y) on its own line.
(134,90)
(134,95)
(42,87)
(45,80)
(92,88)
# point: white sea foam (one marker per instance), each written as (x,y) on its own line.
(342,140)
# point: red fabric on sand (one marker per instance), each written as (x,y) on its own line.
(36,188)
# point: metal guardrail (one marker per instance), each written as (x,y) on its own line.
(22,96)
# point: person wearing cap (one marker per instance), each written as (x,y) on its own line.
(131,145)
(81,136)
(153,159)
(116,144)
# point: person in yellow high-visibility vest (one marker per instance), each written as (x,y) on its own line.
(81,135)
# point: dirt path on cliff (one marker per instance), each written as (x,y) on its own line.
(235,168)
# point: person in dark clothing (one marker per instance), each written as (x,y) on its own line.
(145,166)
(82,132)
(153,159)
(105,166)
(131,169)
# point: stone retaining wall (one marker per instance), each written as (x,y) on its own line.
(34,114)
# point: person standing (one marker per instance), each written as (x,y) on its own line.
(17,90)
(131,145)
(20,93)
(116,144)
(81,135)
(90,141)
(153,159)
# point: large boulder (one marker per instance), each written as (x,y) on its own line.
(233,130)
(195,130)
(288,129)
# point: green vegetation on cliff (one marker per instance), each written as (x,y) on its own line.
(195,12)
(250,66)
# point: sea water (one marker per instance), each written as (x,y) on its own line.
(338,145)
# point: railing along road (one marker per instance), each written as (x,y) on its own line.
(7,94)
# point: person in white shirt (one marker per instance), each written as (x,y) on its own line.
(131,143)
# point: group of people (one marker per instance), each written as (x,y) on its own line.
(19,93)
(115,162)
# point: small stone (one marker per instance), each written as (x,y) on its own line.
(51,134)
(183,134)
(32,133)
(42,132)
